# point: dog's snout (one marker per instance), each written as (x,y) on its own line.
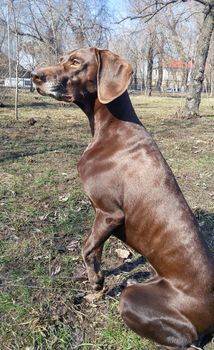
(38,76)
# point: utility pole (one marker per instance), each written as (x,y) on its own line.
(17,60)
(8,39)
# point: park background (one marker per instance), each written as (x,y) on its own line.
(45,298)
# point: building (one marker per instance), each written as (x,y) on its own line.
(175,75)
(10,81)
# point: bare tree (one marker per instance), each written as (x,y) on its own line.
(53,30)
(211,62)
(194,89)
(177,30)
(43,24)
(160,44)
(132,46)
(89,22)
(150,60)
(193,98)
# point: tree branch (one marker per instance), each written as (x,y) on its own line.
(151,14)
(28,34)
(159,7)
(202,2)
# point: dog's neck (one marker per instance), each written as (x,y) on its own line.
(121,108)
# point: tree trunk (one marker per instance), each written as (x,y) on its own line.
(212,81)
(148,91)
(17,79)
(195,85)
(135,80)
(160,74)
(185,73)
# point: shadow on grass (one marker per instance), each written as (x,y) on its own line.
(49,105)
(138,276)
(22,139)
(32,104)
(126,267)
(40,104)
(168,125)
(206,223)
(21,154)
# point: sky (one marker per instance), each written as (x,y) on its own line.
(118,6)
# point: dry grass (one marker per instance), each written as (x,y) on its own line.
(45,216)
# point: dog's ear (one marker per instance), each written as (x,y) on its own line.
(113,75)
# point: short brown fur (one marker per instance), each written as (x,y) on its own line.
(136,198)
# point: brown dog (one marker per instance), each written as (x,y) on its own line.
(137,199)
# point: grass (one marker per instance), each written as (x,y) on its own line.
(45,216)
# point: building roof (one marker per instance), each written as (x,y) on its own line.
(177,64)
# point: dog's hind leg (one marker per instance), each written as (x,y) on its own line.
(150,311)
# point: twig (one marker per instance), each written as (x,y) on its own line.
(151,14)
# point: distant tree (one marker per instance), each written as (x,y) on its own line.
(150,61)
(211,62)
(180,41)
(131,45)
(194,89)
(56,26)
(89,22)
(193,97)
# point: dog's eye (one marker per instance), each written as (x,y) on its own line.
(75,63)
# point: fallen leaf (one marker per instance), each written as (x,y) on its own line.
(122,253)
(14,237)
(90,297)
(43,217)
(56,270)
(79,273)
(131,281)
(73,245)
(38,257)
(63,198)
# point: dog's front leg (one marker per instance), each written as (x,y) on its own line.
(104,224)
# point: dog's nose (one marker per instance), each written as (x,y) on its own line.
(38,76)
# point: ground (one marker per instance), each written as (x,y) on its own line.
(46,301)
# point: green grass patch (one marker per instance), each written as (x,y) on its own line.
(114,333)
(48,177)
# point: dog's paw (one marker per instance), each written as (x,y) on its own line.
(97,282)
(100,293)
(93,297)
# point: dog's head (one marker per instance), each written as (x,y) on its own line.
(83,72)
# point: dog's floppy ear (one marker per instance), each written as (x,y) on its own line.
(113,75)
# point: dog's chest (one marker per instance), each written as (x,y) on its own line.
(85,166)
(95,167)
(98,173)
